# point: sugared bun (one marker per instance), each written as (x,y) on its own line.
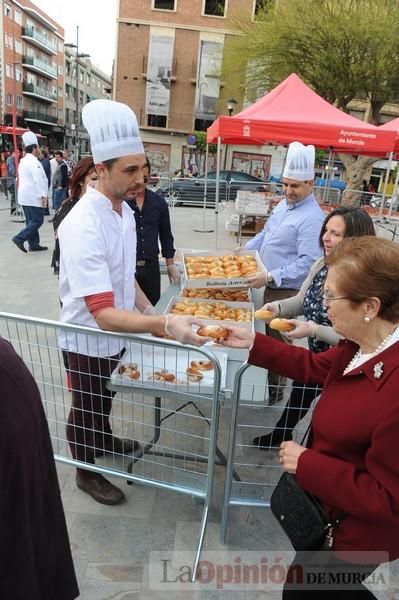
(202,365)
(213,331)
(263,315)
(281,325)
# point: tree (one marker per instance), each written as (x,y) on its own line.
(343,49)
(201,148)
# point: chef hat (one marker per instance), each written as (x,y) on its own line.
(29,139)
(113,130)
(299,163)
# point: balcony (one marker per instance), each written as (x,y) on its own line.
(39,66)
(30,89)
(39,117)
(39,40)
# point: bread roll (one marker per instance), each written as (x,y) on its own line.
(264,315)
(281,325)
(213,331)
(201,365)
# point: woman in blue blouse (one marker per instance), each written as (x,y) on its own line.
(340,223)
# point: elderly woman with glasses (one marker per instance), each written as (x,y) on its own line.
(350,463)
(340,223)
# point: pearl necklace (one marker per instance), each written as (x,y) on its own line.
(351,365)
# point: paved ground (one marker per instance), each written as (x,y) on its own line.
(112,545)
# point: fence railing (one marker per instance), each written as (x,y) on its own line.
(174,419)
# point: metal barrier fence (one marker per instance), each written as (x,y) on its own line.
(253,469)
(174,418)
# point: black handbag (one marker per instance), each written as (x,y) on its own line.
(301,515)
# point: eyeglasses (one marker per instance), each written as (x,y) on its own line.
(327,297)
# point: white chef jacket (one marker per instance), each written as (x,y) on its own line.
(97,254)
(32,181)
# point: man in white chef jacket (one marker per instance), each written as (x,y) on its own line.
(97,288)
(32,195)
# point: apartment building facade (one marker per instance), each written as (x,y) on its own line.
(32,70)
(83,82)
(167,68)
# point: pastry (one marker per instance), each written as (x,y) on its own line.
(201,365)
(281,325)
(264,315)
(213,331)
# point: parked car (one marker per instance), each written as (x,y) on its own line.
(191,190)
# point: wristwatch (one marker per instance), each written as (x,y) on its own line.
(269,279)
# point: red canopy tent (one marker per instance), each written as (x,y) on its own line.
(392,126)
(293,111)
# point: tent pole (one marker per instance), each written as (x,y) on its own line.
(328,175)
(217,189)
(394,192)
(204,229)
(386,184)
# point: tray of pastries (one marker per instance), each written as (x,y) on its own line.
(220,269)
(229,294)
(213,311)
(158,367)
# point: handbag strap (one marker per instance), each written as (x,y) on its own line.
(341,515)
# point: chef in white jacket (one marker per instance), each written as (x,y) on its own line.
(97,289)
(32,195)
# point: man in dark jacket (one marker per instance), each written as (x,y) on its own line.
(60,180)
(35,556)
(152,226)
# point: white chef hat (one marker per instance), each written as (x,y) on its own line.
(299,163)
(29,139)
(113,130)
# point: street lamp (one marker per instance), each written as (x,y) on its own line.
(77,117)
(231,104)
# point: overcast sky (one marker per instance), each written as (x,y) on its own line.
(97,26)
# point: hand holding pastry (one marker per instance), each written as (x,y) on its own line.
(180,328)
(282,324)
(238,337)
(301,329)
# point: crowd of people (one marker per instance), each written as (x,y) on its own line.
(331,269)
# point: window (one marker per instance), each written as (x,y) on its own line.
(18,46)
(9,99)
(60,46)
(164,4)
(81,75)
(215,8)
(60,70)
(17,16)
(8,40)
(7,9)
(156,120)
(98,84)
(68,68)
(19,101)
(18,74)
(87,78)
(9,72)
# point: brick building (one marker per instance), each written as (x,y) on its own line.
(92,83)
(32,70)
(167,68)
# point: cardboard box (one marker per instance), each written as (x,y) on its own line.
(211,293)
(219,282)
(234,305)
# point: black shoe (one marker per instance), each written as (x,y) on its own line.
(99,488)
(272,440)
(118,446)
(37,249)
(19,244)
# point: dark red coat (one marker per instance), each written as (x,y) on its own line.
(352,463)
(35,556)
